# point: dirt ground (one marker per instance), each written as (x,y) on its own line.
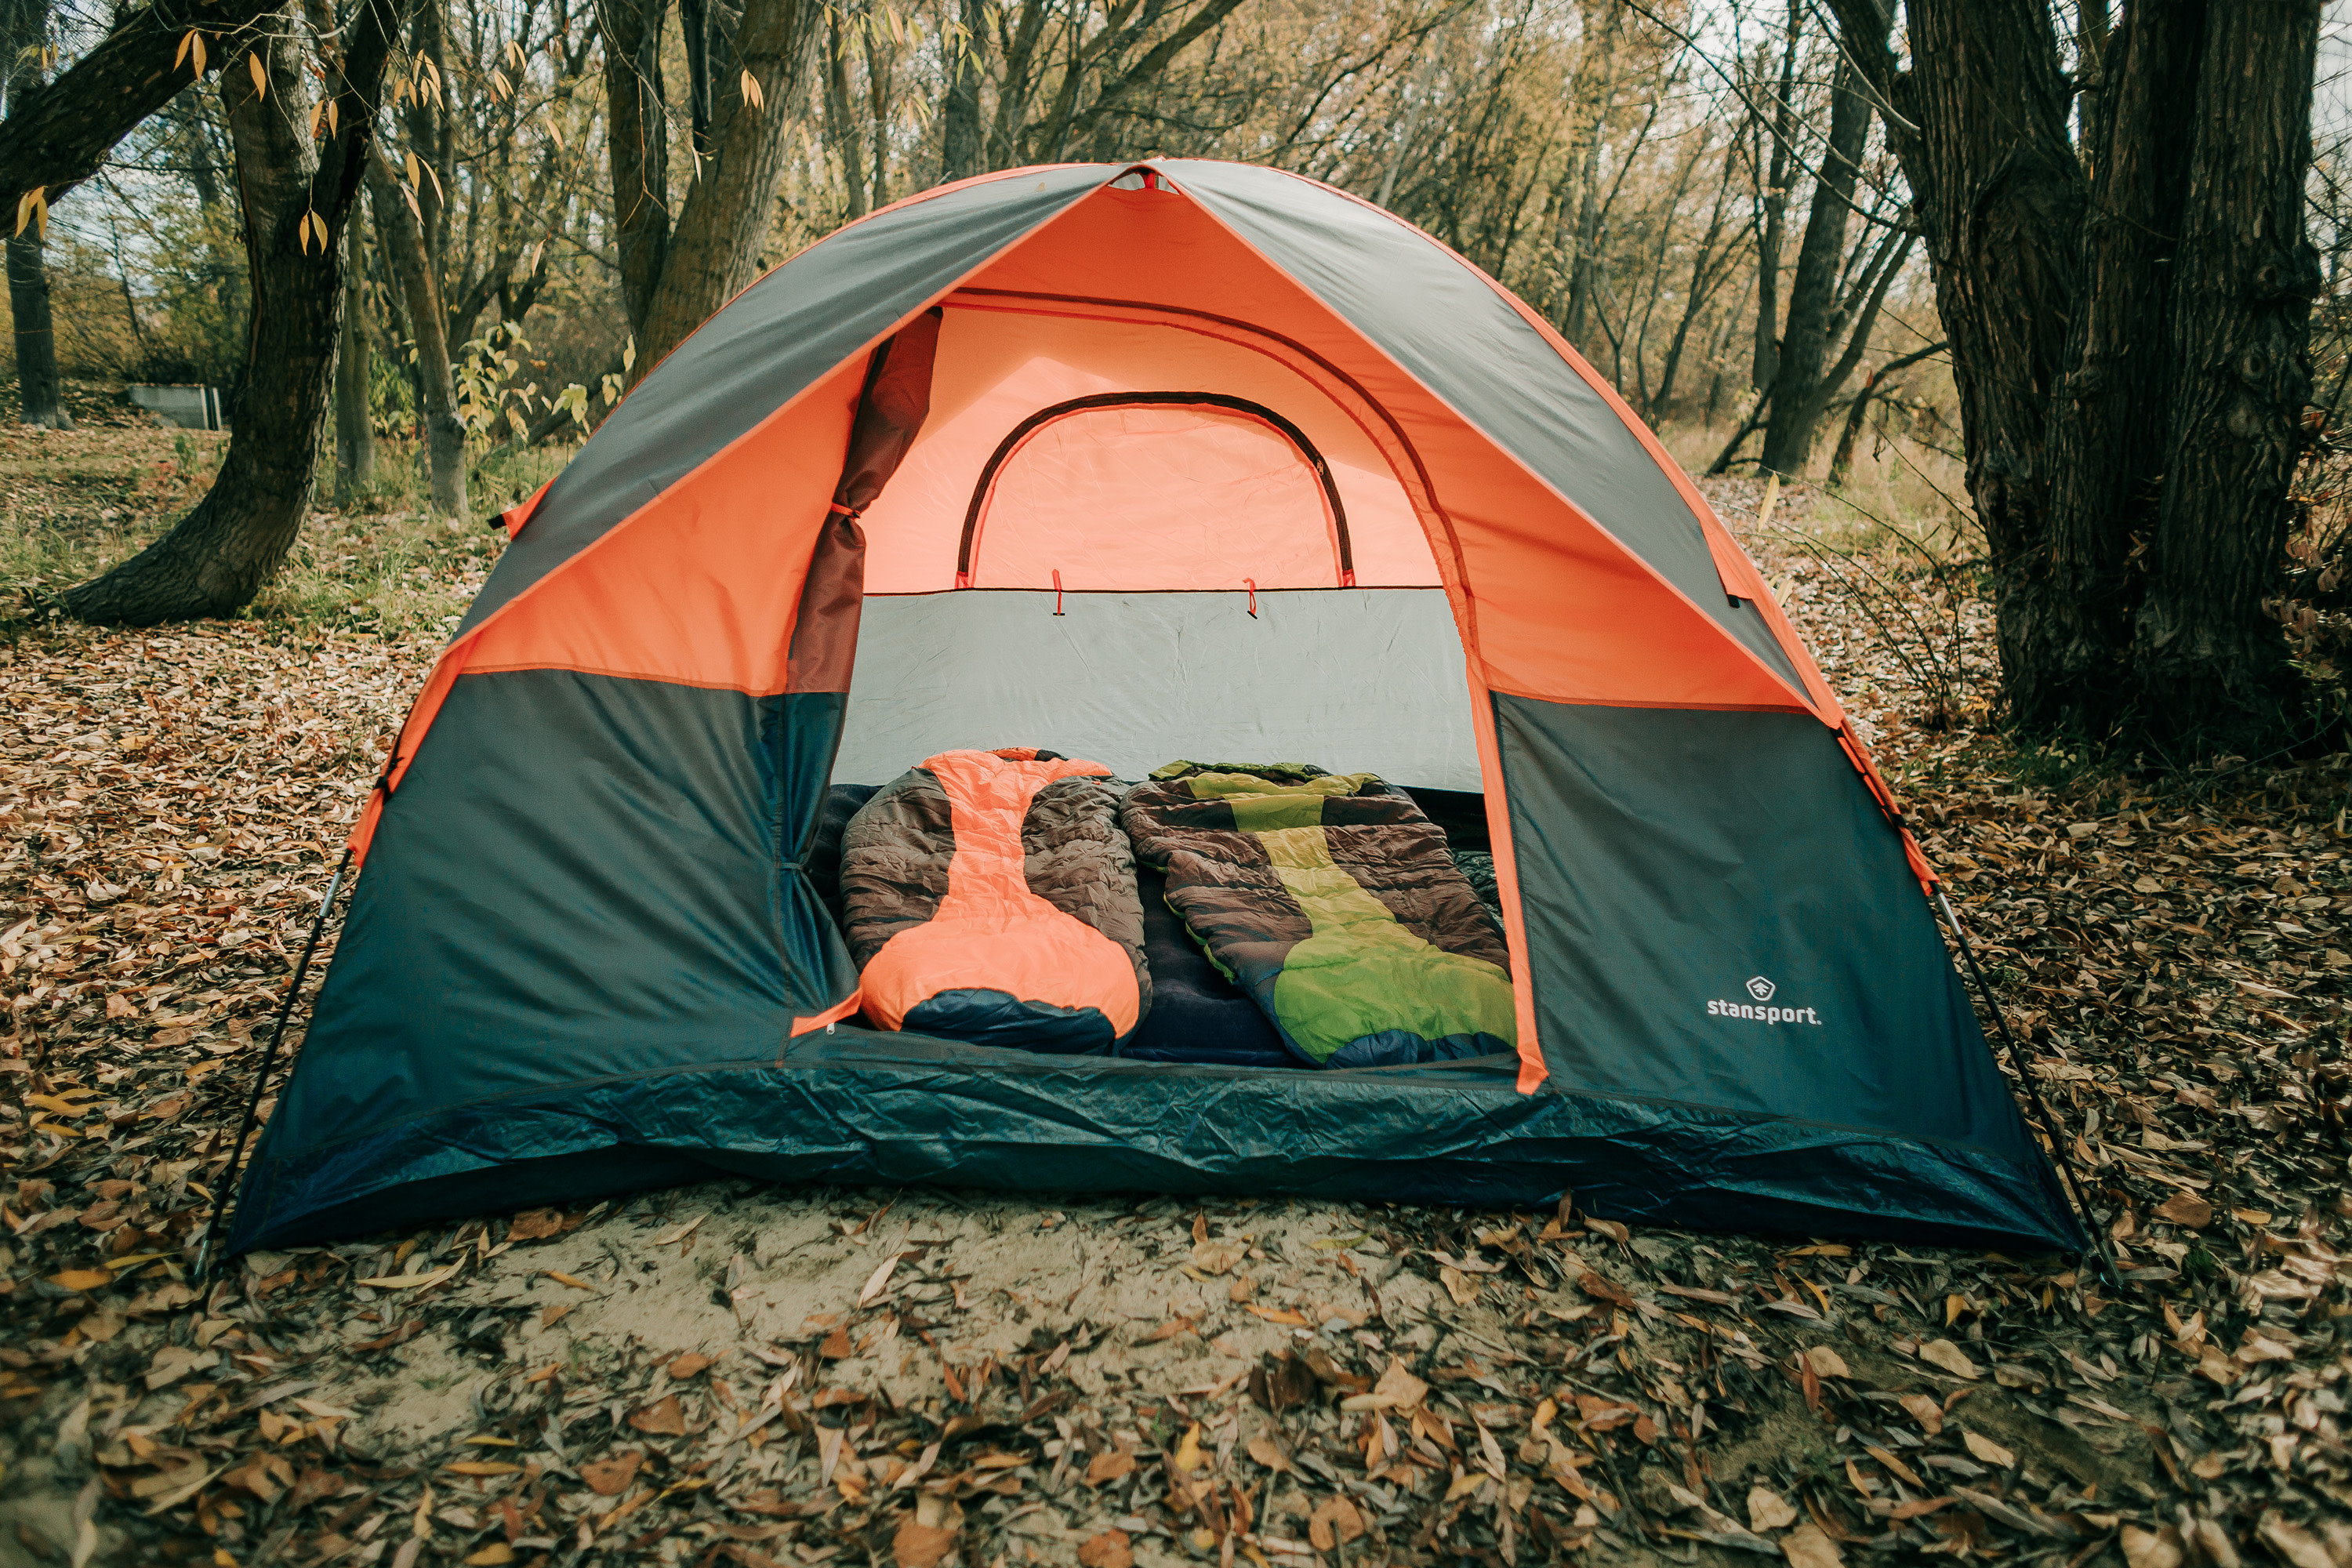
(737,1373)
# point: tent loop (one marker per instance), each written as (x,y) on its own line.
(1057,592)
(1251,584)
(2050,1123)
(220,1199)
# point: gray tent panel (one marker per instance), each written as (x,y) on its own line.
(1356,679)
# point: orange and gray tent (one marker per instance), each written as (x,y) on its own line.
(1135,462)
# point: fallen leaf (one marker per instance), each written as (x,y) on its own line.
(878,1281)
(1458,1285)
(688,1364)
(419,1281)
(1267,1452)
(2298,1545)
(1217,1257)
(1806,1547)
(1598,1286)
(2151,1548)
(1951,1358)
(1903,1471)
(1768,1510)
(1271,1314)
(562,1279)
(1111,1549)
(663,1418)
(173,1363)
(1110,1465)
(1399,1389)
(83,1280)
(1338,1521)
(609,1478)
(1925,1411)
(1827,1363)
(497,1552)
(919,1545)
(2186,1208)
(1187,1457)
(1986,1450)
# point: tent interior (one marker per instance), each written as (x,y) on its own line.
(1131,535)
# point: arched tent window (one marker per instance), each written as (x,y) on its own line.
(1156,491)
(1233,566)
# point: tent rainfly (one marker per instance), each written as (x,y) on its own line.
(1135,461)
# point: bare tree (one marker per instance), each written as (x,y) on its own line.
(298,193)
(25,44)
(2130,346)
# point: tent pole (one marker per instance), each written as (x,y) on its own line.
(229,1181)
(2017,1062)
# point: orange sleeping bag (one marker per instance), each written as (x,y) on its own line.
(990,897)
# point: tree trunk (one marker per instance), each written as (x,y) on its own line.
(694,28)
(23,29)
(841,119)
(217,557)
(355,419)
(2132,368)
(1999,197)
(715,250)
(420,291)
(637,141)
(2106,451)
(1798,389)
(2210,670)
(1772,175)
(959,154)
(39,390)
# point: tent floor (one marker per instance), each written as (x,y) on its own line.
(856,1107)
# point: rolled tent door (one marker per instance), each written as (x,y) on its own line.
(891,409)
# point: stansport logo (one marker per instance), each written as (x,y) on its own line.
(1762,990)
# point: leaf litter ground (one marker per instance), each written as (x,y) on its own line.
(733,1373)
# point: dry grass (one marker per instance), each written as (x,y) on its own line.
(74,502)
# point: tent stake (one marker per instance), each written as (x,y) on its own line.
(261,1076)
(2017,1061)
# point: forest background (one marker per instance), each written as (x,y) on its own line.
(1731,207)
(521,205)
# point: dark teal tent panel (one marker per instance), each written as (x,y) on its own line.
(1719,916)
(858,1107)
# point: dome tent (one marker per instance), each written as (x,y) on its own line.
(1179,458)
